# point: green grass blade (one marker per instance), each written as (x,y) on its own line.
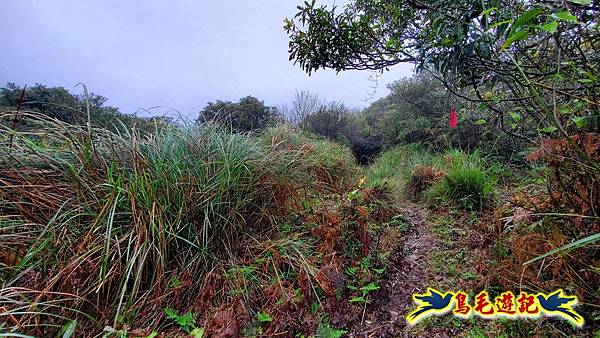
(575,245)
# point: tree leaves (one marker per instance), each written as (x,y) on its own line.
(460,40)
(520,35)
(520,28)
(526,17)
(581,2)
(565,16)
(550,27)
(516,117)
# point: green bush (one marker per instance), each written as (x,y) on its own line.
(248,114)
(468,180)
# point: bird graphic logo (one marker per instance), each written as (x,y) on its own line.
(557,304)
(432,302)
(505,305)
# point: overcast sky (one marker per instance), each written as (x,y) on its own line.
(174,53)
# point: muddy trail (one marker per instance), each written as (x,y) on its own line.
(409,272)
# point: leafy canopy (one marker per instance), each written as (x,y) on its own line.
(248,114)
(449,35)
(517,58)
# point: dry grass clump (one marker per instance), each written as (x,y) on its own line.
(536,248)
(422,178)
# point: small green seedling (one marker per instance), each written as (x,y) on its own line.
(365,290)
(264,317)
(185,321)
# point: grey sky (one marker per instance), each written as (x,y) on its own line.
(172,53)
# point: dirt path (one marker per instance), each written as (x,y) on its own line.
(409,272)
(448,249)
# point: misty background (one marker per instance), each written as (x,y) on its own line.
(178,54)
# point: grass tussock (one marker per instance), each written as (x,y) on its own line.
(111,228)
(393,167)
(467,180)
(450,177)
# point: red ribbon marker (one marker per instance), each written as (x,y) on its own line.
(452,118)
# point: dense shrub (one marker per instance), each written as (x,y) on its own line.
(336,122)
(573,174)
(329,120)
(453,176)
(472,187)
(332,163)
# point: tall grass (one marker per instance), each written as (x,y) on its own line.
(393,167)
(332,164)
(105,220)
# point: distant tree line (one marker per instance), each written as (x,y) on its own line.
(415,111)
(60,104)
(248,114)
